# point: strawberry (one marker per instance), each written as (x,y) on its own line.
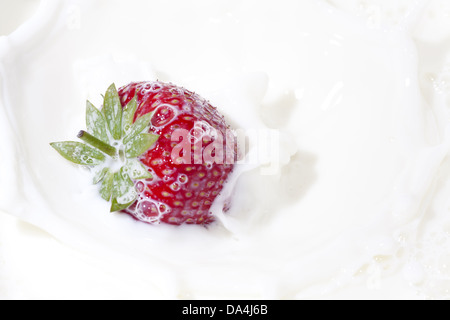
(162,153)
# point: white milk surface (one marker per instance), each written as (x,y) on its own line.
(359,91)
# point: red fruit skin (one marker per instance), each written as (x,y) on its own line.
(178,193)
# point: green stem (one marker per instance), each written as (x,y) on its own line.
(122,156)
(100,145)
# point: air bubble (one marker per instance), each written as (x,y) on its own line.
(175,187)
(164,114)
(149,209)
(140,186)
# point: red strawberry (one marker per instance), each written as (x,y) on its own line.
(169,183)
(178,193)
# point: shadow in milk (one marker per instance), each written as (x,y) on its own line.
(258,198)
(29,230)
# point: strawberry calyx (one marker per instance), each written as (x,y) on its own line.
(113,142)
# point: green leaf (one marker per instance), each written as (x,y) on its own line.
(112,110)
(139,126)
(106,188)
(140,144)
(124,190)
(136,170)
(115,206)
(79,153)
(100,175)
(128,116)
(96,123)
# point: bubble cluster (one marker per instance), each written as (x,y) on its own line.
(148,210)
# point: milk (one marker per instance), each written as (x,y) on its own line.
(357,92)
